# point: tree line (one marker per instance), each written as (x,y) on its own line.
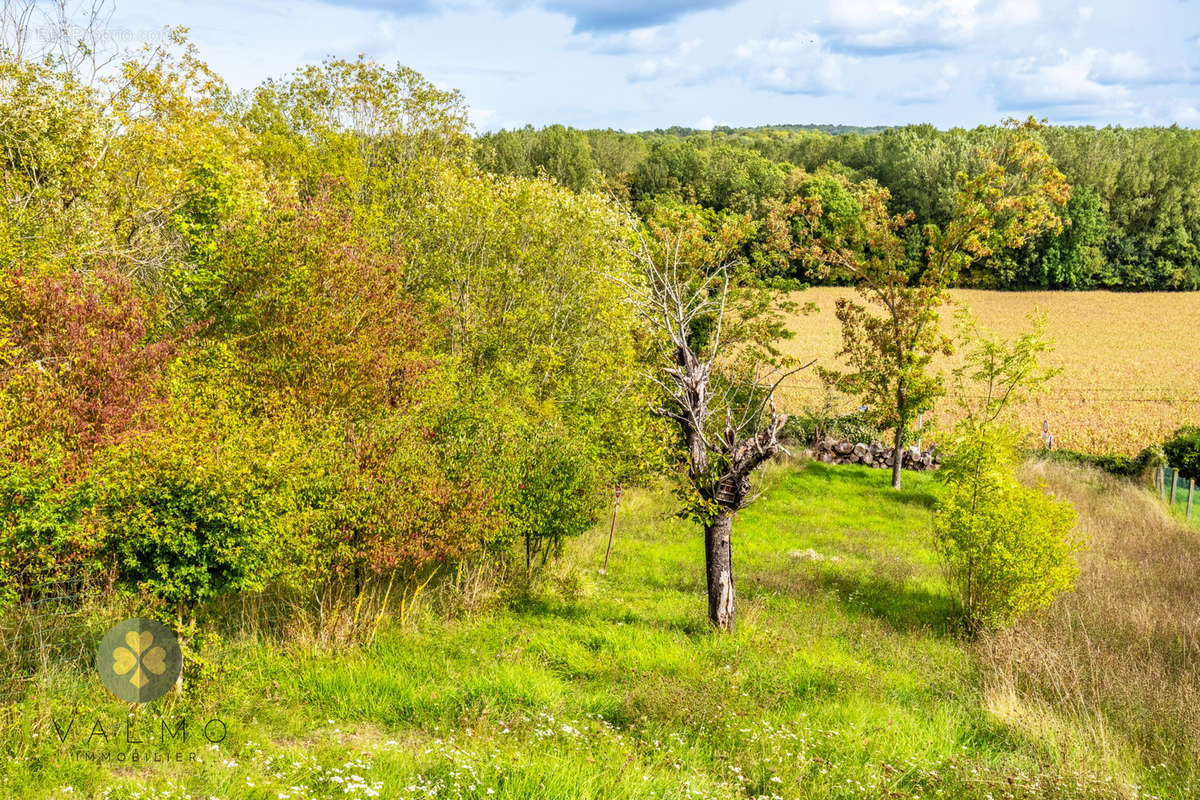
(1132,222)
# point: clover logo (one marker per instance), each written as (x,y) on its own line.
(139,660)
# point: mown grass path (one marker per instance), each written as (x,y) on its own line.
(845,678)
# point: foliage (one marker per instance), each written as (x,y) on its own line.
(1182,451)
(294,338)
(42,535)
(187,529)
(820,422)
(78,361)
(1132,221)
(996,374)
(1121,466)
(889,355)
(1006,549)
(557,496)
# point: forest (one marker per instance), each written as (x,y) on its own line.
(1132,223)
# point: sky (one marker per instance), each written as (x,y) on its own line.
(636,65)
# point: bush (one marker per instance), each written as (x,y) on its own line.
(42,539)
(187,532)
(812,425)
(1006,549)
(1183,451)
(1118,465)
(557,496)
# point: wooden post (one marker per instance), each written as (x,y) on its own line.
(1191,493)
(611,529)
(1174,483)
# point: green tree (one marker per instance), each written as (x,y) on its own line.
(716,370)
(565,155)
(1006,549)
(1182,450)
(890,354)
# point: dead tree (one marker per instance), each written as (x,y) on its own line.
(729,426)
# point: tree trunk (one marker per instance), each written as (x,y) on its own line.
(897,457)
(718,551)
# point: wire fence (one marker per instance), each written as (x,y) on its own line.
(1177,491)
(52,627)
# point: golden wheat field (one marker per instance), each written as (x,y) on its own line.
(1130,362)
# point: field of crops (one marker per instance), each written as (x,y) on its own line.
(1130,362)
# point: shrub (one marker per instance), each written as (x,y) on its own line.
(1183,451)
(186,531)
(557,494)
(78,362)
(1006,549)
(1118,465)
(812,425)
(41,536)
(80,370)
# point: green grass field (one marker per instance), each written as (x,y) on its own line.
(845,678)
(1181,500)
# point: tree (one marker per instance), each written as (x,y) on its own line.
(713,360)
(1016,194)
(1005,548)
(996,374)
(565,155)
(1182,450)
(1073,259)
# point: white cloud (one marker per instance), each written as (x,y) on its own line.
(752,62)
(1186,115)
(639,40)
(1070,79)
(673,65)
(1123,67)
(797,64)
(935,91)
(706,123)
(882,27)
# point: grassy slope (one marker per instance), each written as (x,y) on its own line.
(842,680)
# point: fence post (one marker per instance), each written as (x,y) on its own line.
(1191,492)
(611,529)
(1174,483)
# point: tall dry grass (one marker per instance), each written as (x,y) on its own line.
(1118,659)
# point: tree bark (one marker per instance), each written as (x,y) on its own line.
(718,551)
(897,457)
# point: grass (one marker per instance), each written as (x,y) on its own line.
(1181,500)
(1123,383)
(846,678)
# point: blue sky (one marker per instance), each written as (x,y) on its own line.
(638,65)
